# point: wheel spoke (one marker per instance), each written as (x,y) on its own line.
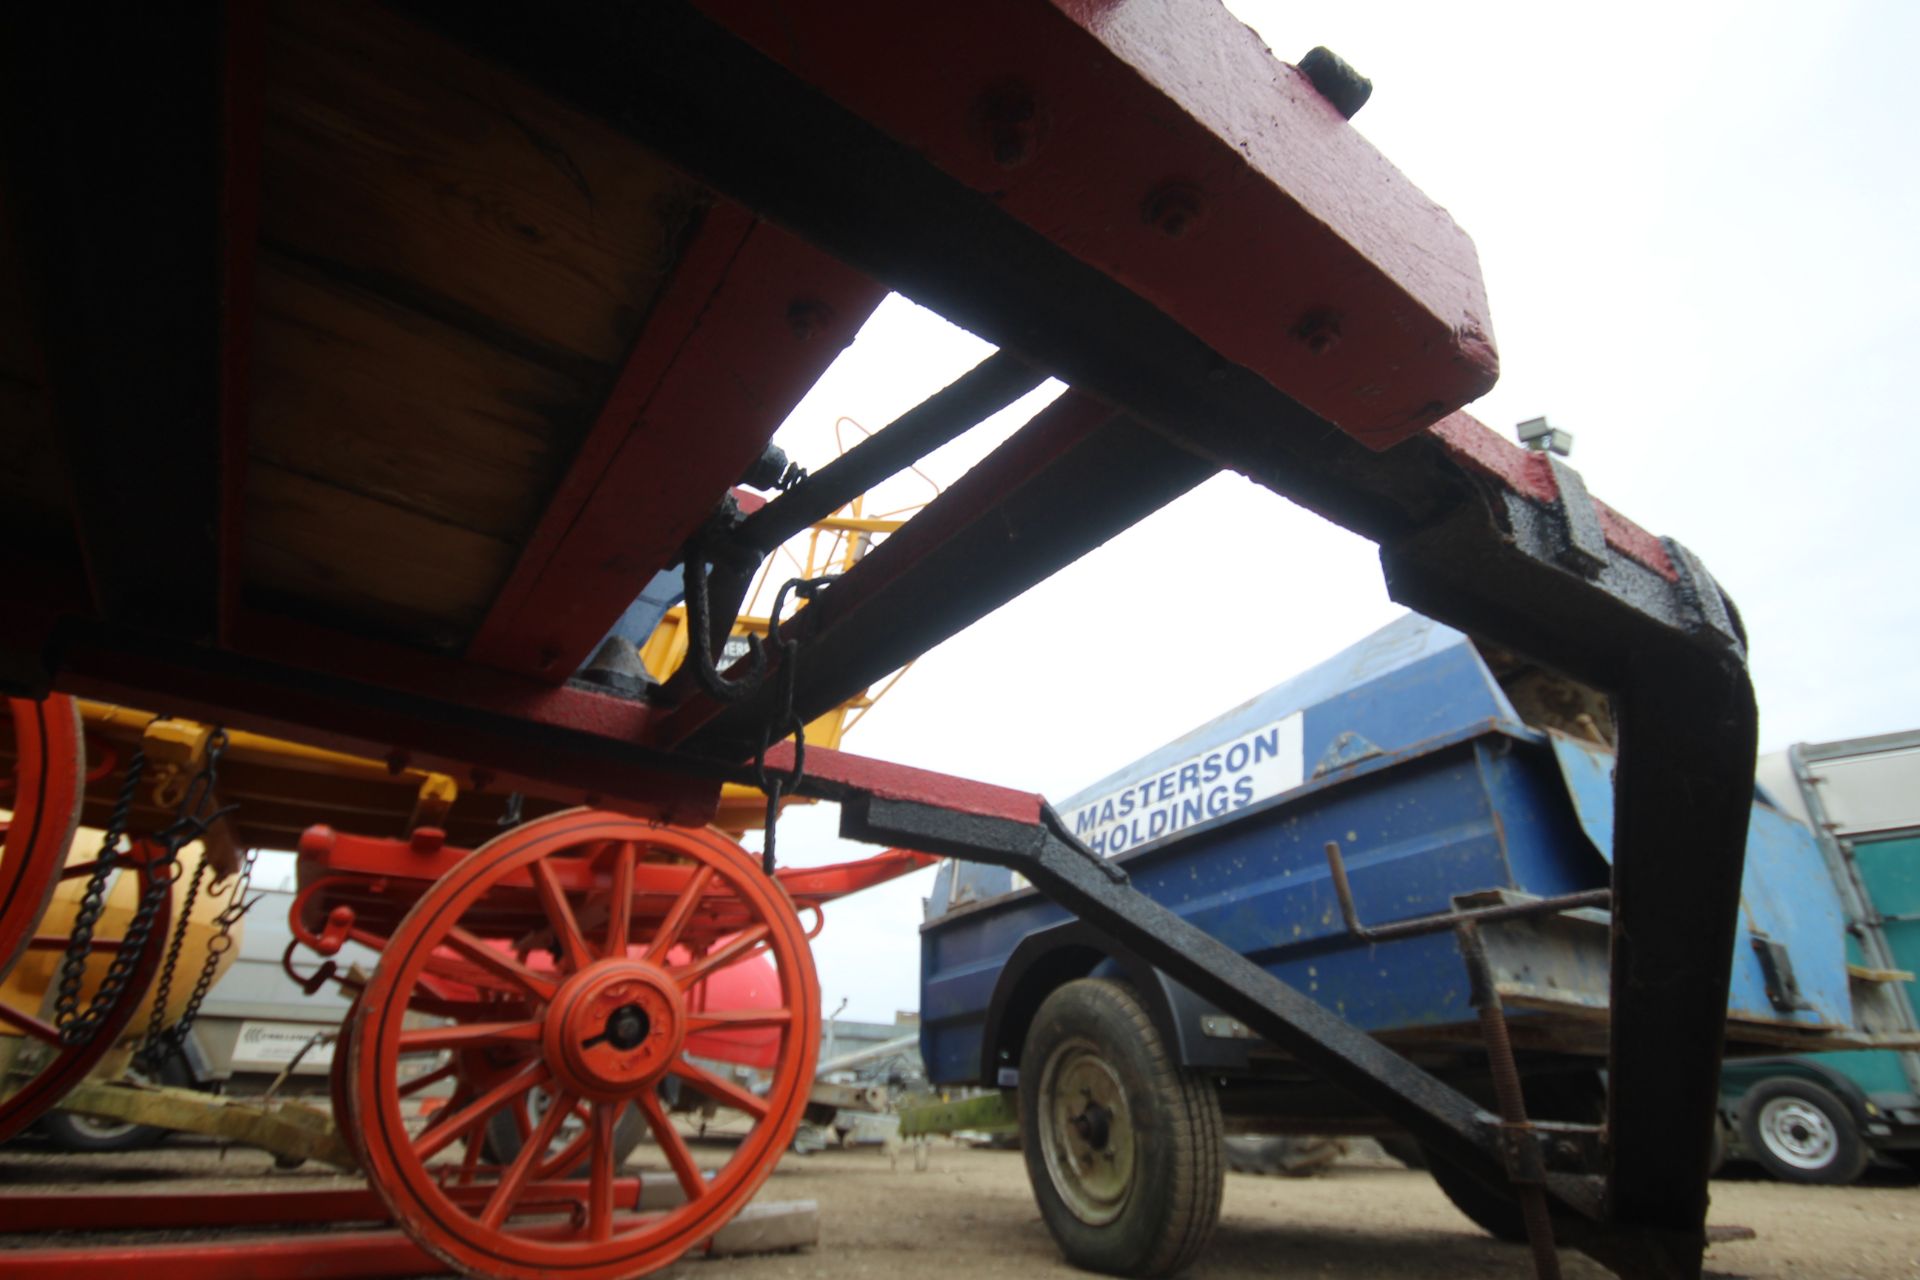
(601,1162)
(468,1035)
(737,1019)
(466,974)
(522,1118)
(667,936)
(427,1081)
(500,1203)
(431,1143)
(620,909)
(679,1155)
(460,1097)
(28,1025)
(566,929)
(739,947)
(470,1156)
(500,963)
(721,1090)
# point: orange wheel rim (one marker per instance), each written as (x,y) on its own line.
(637,917)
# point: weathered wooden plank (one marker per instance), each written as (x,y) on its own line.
(399,158)
(400,408)
(358,560)
(289,1129)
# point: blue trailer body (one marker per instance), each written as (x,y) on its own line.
(1406,751)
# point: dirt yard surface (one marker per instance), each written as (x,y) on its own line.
(970,1214)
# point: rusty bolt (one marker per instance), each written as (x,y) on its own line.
(1011,121)
(1319,329)
(397,761)
(809,319)
(1172,208)
(547,657)
(1336,81)
(482,778)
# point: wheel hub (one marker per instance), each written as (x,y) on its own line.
(1086,1136)
(1798,1133)
(614,1028)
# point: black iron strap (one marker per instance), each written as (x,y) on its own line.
(785,722)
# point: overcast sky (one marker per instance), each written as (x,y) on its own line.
(1696,223)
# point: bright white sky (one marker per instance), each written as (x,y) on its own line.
(1697,226)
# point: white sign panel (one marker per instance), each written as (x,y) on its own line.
(1228,776)
(273,1044)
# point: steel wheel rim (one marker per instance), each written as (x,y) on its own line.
(1798,1133)
(1086,1132)
(605,1077)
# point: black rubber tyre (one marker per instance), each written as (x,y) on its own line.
(71,1132)
(1123,1147)
(1405,1148)
(1574,1097)
(503,1139)
(1717,1153)
(1800,1132)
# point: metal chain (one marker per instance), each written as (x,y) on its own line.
(163,984)
(79,1026)
(785,722)
(197,813)
(160,1044)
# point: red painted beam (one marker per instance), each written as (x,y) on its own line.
(337,1255)
(241,89)
(493,729)
(170,1211)
(835,774)
(1483,451)
(751,319)
(1161,143)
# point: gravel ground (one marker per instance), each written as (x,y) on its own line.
(970,1214)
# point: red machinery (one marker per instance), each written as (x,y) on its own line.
(365,362)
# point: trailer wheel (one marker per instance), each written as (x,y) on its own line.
(1123,1147)
(1800,1132)
(637,915)
(42,786)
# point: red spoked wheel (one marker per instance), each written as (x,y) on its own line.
(37,1066)
(48,778)
(637,918)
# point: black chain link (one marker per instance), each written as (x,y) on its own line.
(79,1026)
(197,812)
(785,722)
(150,1053)
(161,1044)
